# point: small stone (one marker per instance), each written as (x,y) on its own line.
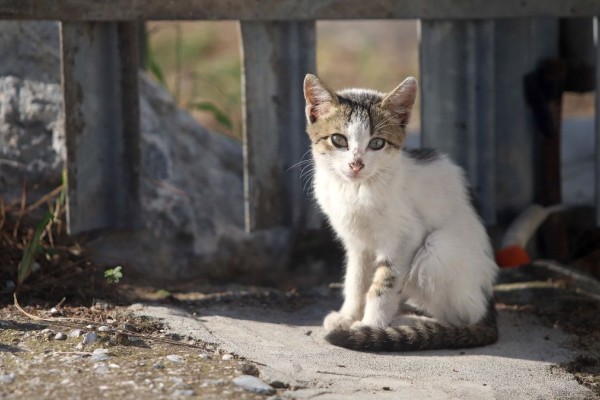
(212,382)
(79,347)
(90,337)
(60,336)
(175,359)
(183,393)
(158,366)
(122,339)
(101,369)
(89,327)
(253,384)
(249,369)
(104,328)
(226,357)
(7,378)
(65,382)
(114,366)
(75,333)
(100,355)
(203,356)
(54,311)
(129,327)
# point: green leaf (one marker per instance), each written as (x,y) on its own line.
(24,269)
(219,115)
(155,67)
(113,275)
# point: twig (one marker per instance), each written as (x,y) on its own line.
(54,319)
(123,332)
(45,198)
(583,283)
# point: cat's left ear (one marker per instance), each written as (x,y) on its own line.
(400,100)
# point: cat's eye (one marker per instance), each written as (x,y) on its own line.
(339,141)
(376,144)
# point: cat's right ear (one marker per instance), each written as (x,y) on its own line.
(319,99)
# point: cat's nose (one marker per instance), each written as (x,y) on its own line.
(356,165)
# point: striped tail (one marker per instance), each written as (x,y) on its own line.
(425,335)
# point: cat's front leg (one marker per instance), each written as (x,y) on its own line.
(383,296)
(356,284)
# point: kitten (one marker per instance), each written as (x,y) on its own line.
(404,217)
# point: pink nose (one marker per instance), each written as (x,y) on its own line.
(356,165)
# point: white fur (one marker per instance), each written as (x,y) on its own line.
(417,216)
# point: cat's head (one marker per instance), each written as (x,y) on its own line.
(357,133)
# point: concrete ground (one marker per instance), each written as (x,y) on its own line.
(289,348)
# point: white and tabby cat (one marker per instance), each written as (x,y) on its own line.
(406,222)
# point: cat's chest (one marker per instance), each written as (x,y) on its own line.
(354,211)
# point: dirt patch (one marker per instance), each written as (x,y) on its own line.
(46,359)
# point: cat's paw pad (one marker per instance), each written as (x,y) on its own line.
(336,320)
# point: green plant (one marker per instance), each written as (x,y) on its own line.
(219,115)
(34,247)
(113,275)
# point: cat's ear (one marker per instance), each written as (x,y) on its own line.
(400,100)
(319,99)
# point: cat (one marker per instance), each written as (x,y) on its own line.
(410,233)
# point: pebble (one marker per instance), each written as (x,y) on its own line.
(100,355)
(175,359)
(101,369)
(79,347)
(249,369)
(60,336)
(158,366)
(114,366)
(104,328)
(7,378)
(253,384)
(212,382)
(226,357)
(75,333)
(183,393)
(90,337)
(54,311)
(203,356)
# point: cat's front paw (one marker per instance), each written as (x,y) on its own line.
(357,325)
(336,320)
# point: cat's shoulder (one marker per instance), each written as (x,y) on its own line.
(425,155)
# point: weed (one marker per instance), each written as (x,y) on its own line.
(113,275)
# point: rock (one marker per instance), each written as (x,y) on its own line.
(190,229)
(158,365)
(227,357)
(89,337)
(7,378)
(253,384)
(203,356)
(175,359)
(54,311)
(75,333)
(104,328)
(60,336)
(100,355)
(183,393)
(212,382)
(250,369)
